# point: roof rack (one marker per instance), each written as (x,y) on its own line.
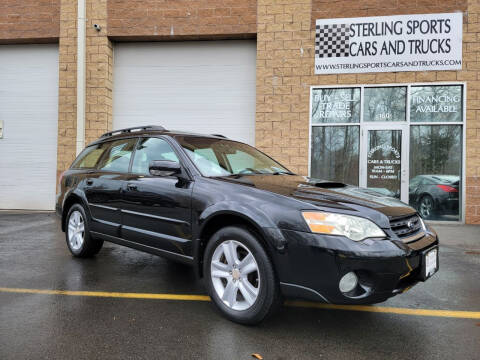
(137,128)
(219,135)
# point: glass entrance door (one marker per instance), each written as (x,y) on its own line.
(384,159)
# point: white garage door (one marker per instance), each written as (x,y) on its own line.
(29,111)
(201,86)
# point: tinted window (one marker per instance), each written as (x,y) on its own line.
(117,156)
(335,153)
(438,156)
(149,149)
(384,104)
(88,158)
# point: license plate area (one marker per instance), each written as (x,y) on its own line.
(429,262)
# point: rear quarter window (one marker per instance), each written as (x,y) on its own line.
(117,157)
(88,158)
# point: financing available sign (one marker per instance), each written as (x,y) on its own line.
(389,43)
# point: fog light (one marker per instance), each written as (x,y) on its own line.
(348,282)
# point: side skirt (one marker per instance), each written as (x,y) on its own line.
(188,260)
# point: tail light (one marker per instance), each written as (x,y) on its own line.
(447,188)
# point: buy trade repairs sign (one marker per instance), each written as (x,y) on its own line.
(389,43)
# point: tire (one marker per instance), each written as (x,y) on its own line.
(252,274)
(426,207)
(80,243)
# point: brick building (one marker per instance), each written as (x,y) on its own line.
(243,68)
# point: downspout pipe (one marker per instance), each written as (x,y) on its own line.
(81,40)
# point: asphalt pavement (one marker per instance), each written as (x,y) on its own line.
(102,322)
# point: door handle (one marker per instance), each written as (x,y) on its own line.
(131,187)
(89,182)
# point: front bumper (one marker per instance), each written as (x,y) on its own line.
(312,265)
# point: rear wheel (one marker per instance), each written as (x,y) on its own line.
(426,207)
(240,277)
(77,234)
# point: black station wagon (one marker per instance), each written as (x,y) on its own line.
(252,229)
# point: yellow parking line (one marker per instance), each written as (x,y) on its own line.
(389,310)
(109,294)
(303,304)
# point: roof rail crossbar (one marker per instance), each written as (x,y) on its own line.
(219,135)
(138,128)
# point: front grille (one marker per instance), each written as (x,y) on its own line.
(407,228)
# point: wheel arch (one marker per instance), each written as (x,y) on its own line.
(223,219)
(72,198)
(425,194)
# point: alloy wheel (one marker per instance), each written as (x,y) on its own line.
(426,207)
(235,275)
(76,230)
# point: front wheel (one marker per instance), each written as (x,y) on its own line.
(240,277)
(77,234)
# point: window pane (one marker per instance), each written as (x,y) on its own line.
(335,153)
(117,157)
(436,103)
(385,104)
(149,149)
(384,161)
(336,105)
(89,156)
(435,171)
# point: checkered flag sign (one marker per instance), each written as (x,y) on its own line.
(332,40)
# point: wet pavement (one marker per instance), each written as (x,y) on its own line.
(33,255)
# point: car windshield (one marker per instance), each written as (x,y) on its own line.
(217,157)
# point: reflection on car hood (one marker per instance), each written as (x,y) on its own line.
(323,193)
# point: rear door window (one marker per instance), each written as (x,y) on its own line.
(117,156)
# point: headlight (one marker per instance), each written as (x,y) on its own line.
(353,227)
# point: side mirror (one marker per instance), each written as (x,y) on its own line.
(164,168)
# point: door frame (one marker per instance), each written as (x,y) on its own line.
(404,159)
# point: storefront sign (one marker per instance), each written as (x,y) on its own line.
(336,105)
(436,103)
(381,166)
(384,162)
(389,43)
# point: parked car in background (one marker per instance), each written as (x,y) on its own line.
(434,195)
(385,192)
(252,229)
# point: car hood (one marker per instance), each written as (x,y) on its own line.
(325,194)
